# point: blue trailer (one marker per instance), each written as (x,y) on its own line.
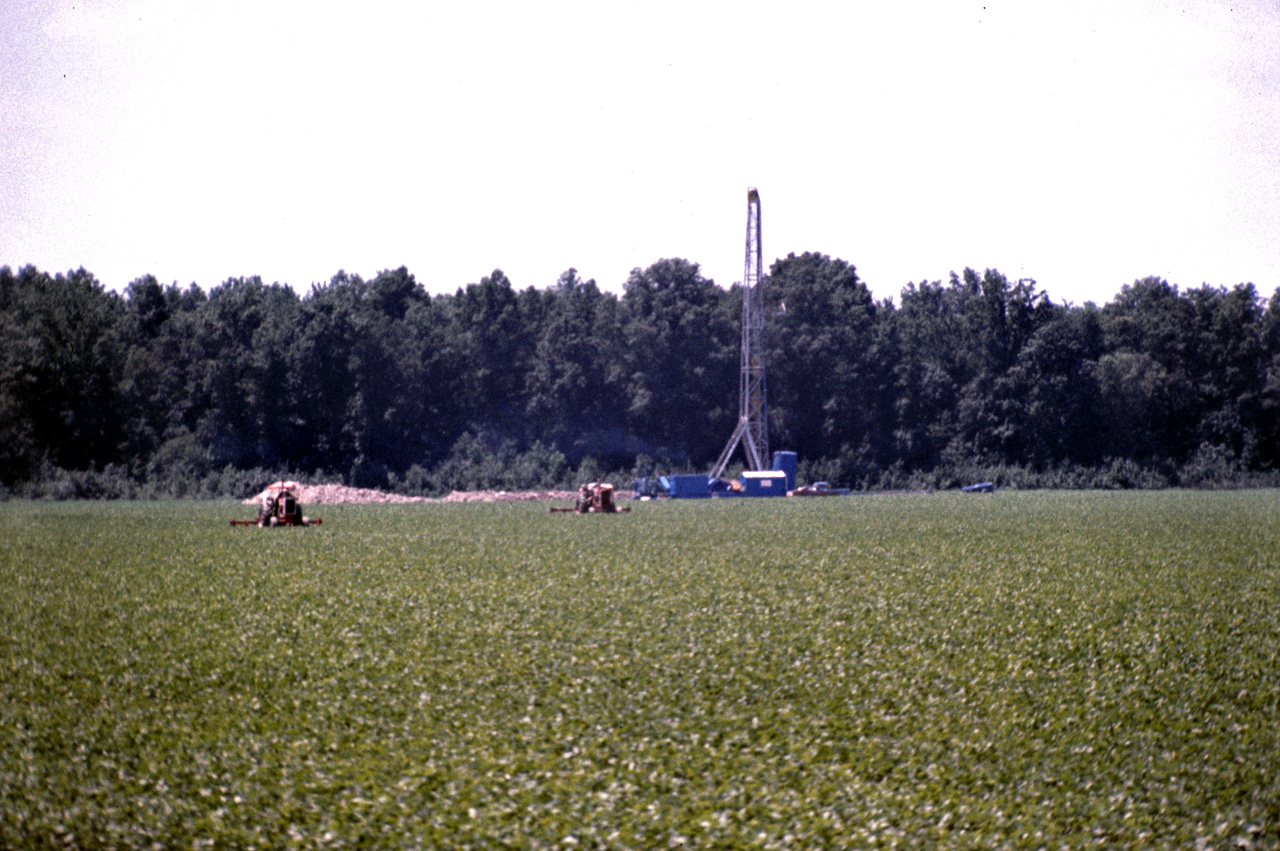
(775,482)
(691,486)
(763,483)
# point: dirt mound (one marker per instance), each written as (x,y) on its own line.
(321,494)
(328,494)
(505,496)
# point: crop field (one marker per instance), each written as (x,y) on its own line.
(1024,670)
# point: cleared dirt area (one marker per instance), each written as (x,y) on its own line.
(329,494)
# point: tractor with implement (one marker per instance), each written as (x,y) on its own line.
(279,506)
(594,498)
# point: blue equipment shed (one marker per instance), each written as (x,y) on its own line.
(775,482)
(763,483)
(785,460)
(693,486)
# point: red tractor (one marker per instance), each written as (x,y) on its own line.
(279,506)
(594,498)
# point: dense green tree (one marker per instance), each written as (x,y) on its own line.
(388,408)
(494,337)
(1137,396)
(357,373)
(1053,387)
(678,362)
(572,391)
(1269,396)
(928,372)
(437,374)
(59,372)
(827,371)
(1149,328)
(372,379)
(999,320)
(964,372)
(997,317)
(157,336)
(1228,369)
(240,380)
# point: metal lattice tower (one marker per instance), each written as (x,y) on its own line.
(753,420)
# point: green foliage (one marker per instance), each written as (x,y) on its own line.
(1211,467)
(574,401)
(1014,670)
(484,463)
(825,373)
(679,358)
(378,382)
(59,363)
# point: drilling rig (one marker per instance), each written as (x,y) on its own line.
(752,430)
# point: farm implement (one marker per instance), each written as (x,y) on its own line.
(279,506)
(593,498)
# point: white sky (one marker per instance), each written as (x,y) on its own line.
(1083,143)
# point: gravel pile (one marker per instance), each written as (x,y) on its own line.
(328,494)
(505,496)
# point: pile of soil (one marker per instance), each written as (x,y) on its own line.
(505,496)
(328,494)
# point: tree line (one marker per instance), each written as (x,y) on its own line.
(376,383)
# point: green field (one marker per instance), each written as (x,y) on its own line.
(1010,670)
